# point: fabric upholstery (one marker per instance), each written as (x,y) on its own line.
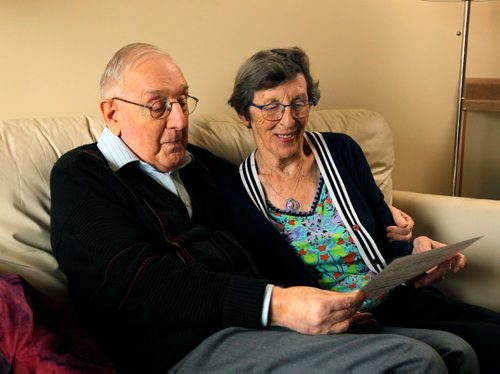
(28,149)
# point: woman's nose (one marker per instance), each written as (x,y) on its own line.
(288,117)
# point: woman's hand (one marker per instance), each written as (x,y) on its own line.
(403,230)
(313,311)
(436,274)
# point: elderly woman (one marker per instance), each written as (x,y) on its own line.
(317,191)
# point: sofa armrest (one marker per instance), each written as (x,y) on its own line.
(450,219)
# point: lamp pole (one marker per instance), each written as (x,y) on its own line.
(457,156)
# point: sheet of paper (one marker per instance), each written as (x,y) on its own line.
(405,268)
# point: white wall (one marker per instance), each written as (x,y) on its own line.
(398,57)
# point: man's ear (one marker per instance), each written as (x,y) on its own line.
(245,121)
(108,110)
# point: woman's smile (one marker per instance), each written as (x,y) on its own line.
(287,138)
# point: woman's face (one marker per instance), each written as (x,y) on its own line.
(279,140)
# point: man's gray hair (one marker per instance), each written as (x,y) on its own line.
(125,58)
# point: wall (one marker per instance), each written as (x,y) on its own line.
(481,173)
(398,57)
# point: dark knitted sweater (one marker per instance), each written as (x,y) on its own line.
(150,281)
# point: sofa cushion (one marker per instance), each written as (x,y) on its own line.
(30,147)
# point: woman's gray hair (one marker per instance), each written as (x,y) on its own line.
(268,69)
(125,58)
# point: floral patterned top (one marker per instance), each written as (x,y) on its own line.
(324,244)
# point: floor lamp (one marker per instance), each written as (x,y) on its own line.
(457,156)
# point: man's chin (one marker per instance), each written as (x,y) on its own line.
(171,161)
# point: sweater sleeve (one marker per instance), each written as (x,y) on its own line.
(117,267)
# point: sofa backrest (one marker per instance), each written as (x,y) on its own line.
(29,148)
(228,138)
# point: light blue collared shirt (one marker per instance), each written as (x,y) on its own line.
(117,155)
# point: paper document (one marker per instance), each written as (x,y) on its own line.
(405,268)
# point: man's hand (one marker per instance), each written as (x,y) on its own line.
(404,226)
(436,274)
(313,311)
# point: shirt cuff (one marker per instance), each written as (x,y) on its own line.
(266,304)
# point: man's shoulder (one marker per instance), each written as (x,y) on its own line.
(85,148)
(82,149)
(73,156)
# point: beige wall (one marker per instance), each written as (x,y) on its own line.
(398,57)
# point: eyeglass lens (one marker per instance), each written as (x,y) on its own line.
(274,112)
(162,108)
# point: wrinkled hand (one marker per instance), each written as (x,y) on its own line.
(313,311)
(436,274)
(404,226)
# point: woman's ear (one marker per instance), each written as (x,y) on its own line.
(245,121)
(108,110)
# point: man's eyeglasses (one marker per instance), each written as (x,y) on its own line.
(275,111)
(162,108)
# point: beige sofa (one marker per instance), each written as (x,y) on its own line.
(29,148)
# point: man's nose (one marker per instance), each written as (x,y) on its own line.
(177,119)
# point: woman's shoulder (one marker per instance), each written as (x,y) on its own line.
(339,145)
(336,136)
(336,139)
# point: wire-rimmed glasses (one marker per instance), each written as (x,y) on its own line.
(162,108)
(275,111)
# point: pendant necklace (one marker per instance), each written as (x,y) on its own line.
(291,204)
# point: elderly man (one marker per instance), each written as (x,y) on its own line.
(154,270)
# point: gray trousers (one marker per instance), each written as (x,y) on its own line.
(377,349)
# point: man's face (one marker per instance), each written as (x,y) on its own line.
(159,142)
